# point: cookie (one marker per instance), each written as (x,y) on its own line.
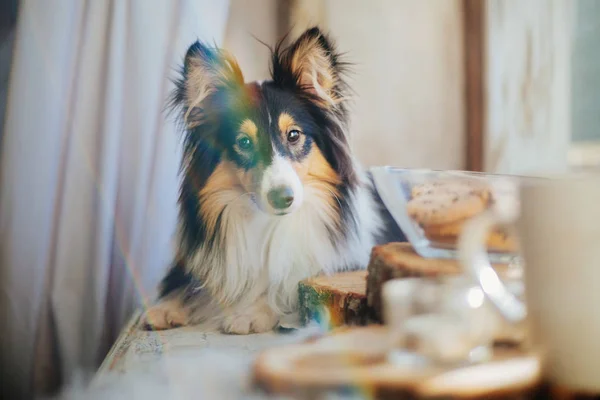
(460,187)
(449,233)
(452,229)
(444,208)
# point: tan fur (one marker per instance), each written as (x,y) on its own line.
(286,122)
(225,178)
(204,77)
(222,179)
(315,171)
(166,314)
(316,168)
(249,128)
(313,66)
(245,178)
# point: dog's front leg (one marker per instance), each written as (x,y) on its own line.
(255,317)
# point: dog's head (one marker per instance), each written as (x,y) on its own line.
(280,142)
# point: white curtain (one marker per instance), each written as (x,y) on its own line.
(88,178)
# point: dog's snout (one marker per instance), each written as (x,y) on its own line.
(281,197)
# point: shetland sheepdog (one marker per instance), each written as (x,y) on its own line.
(270,194)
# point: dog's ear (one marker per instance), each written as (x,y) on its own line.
(312,65)
(205,71)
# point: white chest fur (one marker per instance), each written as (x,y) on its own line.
(268,255)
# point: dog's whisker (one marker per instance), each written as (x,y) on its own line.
(336,197)
(324,186)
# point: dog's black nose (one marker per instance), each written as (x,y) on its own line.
(281,197)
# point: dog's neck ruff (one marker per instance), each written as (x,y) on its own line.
(262,254)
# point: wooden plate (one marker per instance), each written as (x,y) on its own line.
(357,358)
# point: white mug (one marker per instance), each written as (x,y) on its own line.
(558,228)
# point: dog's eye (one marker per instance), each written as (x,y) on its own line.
(244,143)
(293,136)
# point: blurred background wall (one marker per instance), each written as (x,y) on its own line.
(528,63)
(409,76)
(408,72)
(540,69)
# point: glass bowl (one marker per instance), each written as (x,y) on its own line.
(395,186)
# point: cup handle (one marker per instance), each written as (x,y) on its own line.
(472,252)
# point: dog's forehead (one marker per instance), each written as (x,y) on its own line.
(269,104)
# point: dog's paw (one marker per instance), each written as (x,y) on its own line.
(243,324)
(165,315)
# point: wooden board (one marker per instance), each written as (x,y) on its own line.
(337,299)
(399,260)
(354,298)
(356,358)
